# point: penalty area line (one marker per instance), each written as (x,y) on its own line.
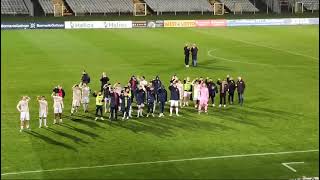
(159,162)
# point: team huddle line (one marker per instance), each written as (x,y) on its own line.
(116,98)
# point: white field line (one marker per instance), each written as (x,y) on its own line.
(289,167)
(277,49)
(269,47)
(158,162)
(260,64)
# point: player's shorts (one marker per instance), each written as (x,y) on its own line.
(24,116)
(43,114)
(174,103)
(75,102)
(141,104)
(57,110)
(203,103)
(85,100)
(186,94)
(107,99)
(195,97)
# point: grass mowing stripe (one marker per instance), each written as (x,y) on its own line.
(259,45)
(259,64)
(164,161)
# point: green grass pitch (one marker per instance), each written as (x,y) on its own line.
(279,64)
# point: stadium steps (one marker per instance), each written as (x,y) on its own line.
(14,7)
(239,6)
(29,6)
(261,5)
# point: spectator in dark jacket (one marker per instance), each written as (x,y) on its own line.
(223,91)
(140,97)
(162,92)
(134,87)
(174,98)
(156,83)
(125,103)
(106,96)
(104,80)
(186,50)
(240,88)
(194,52)
(213,89)
(151,98)
(231,89)
(85,78)
(59,91)
(114,104)
(228,78)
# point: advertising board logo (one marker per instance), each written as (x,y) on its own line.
(151,24)
(32,25)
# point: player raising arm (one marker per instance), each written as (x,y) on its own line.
(57,107)
(23,108)
(85,97)
(76,98)
(43,111)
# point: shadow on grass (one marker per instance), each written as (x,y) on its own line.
(85,120)
(51,141)
(72,137)
(88,133)
(167,126)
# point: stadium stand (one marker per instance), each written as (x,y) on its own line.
(14,7)
(47,6)
(179,5)
(100,6)
(239,5)
(310,4)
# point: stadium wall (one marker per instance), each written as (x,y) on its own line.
(157,23)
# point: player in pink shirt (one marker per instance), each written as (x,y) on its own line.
(203,97)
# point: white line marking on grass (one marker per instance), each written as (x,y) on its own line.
(260,64)
(269,47)
(289,167)
(158,162)
(277,49)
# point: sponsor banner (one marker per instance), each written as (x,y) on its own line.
(298,21)
(15,25)
(47,25)
(155,24)
(97,24)
(211,23)
(179,23)
(117,24)
(139,24)
(83,24)
(257,22)
(272,22)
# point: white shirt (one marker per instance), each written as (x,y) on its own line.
(23,104)
(85,91)
(57,101)
(43,105)
(76,92)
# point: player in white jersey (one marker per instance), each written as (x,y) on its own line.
(85,96)
(23,108)
(43,111)
(180,88)
(76,98)
(57,107)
